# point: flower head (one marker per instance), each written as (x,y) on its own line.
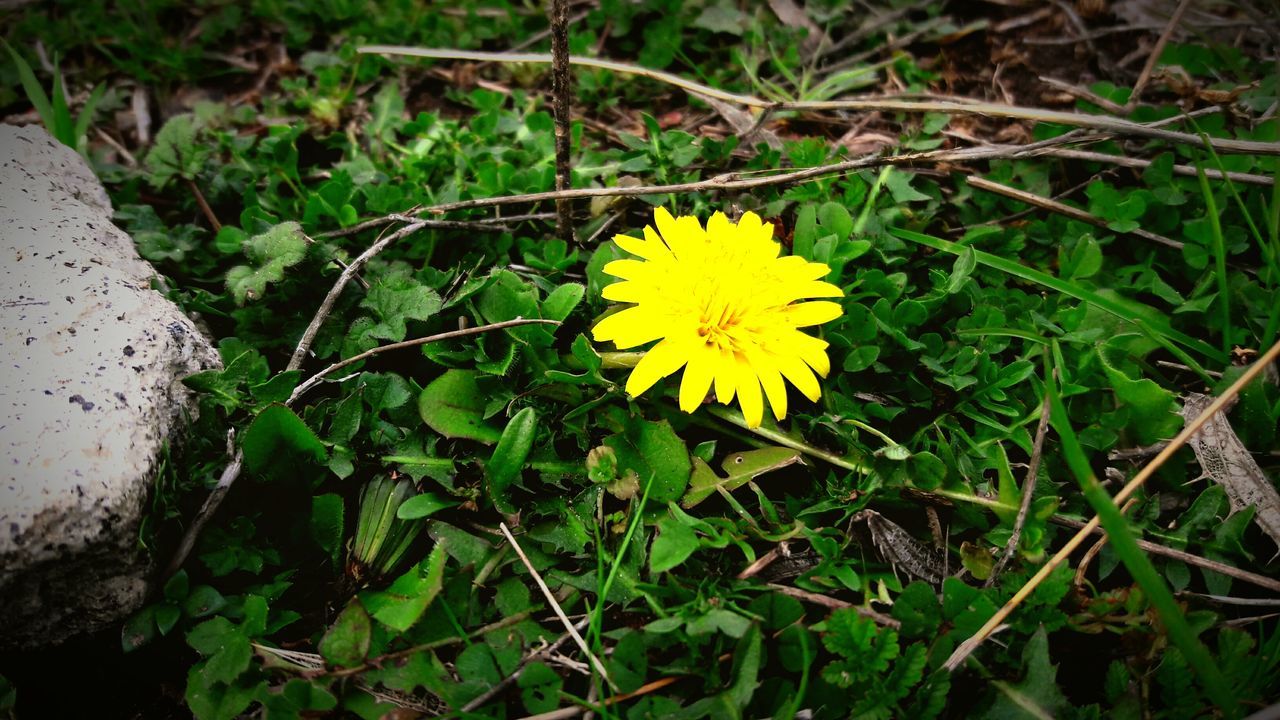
(725,307)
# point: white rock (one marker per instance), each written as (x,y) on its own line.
(90,393)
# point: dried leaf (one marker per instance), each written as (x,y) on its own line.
(1226,461)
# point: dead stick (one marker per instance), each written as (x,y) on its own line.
(561,87)
(1028,489)
(968,646)
(315,379)
(1062,209)
(551,599)
(1261,581)
(1076,119)
(204,205)
(827,601)
(309,335)
(1156,52)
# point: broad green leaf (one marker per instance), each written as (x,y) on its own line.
(673,545)
(270,254)
(401,605)
(1037,696)
(176,151)
(653,450)
(509,455)
(539,688)
(396,299)
(424,505)
(277,441)
(347,643)
(327,523)
(453,405)
(562,301)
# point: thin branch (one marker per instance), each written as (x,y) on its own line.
(1130,162)
(204,205)
(1154,57)
(1261,581)
(1074,119)
(561,87)
(1028,489)
(551,599)
(211,503)
(968,646)
(478,329)
(1062,209)
(309,335)
(834,604)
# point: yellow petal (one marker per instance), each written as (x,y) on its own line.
(771,380)
(813,313)
(697,377)
(793,369)
(631,269)
(810,349)
(628,291)
(683,235)
(725,377)
(749,394)
(631,327)
(665,358)
(634,246)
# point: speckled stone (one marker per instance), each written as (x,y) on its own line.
(90,391)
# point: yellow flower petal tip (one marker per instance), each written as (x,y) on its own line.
(724,306)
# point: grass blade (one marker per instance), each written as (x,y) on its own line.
(1136,562)
(1158,330)
(35,93)
(1219,257)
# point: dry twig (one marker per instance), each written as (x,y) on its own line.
(1028,490)
(551,599)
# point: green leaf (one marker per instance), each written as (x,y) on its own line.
(509,456)
(402,604)
(453,405)
(562,301)
(673,545)
(539,688)
(396,299)
(176,151)
(1037,696)
(424,505)
(270,254)
(209,699)
(139,629)
(653,450)
(347,643)
(225,646)
(277,441)
(327,523)
(507,298)
(1153,410)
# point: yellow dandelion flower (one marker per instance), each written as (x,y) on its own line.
(723,305)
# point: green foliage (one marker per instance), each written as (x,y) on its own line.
(365,532)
